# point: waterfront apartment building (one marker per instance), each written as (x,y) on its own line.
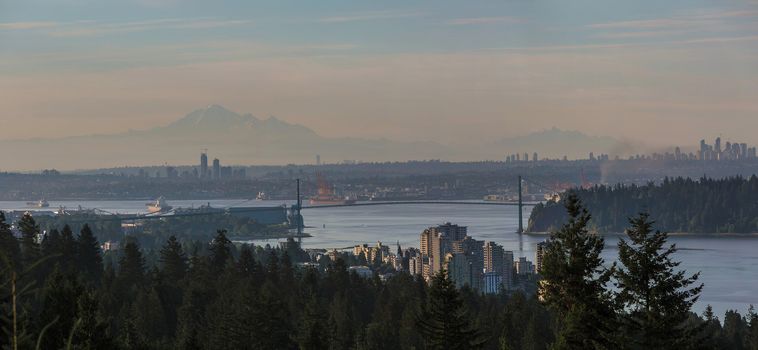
(372,254)
(508,269)
(500,262)
(473,250)
(436,242)
(494,258)
(524,267)
(415,266)
(461,270)
(492,282)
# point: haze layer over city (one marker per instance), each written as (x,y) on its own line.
(648,74)
(184,174)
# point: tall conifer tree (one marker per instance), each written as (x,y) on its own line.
(8,243)
(131,265)
(574,283)
(444,322)
(656,297)
(88,253)
(67,249)
(221,250)
(29,246)
(173,260)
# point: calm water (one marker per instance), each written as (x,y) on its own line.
(728,265)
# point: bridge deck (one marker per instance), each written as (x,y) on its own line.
(130,217)
(417,203)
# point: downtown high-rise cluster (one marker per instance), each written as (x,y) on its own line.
(731,151)
(483,266)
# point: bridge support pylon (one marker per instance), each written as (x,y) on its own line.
(299,217)
(520,208)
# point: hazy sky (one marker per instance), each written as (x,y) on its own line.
(453,71)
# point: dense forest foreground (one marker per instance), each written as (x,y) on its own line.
(63,292)
(706,206)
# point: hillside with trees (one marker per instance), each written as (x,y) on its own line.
(706,206)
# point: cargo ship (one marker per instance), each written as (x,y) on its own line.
(158,206)
(327,196)
(262,196)
(498,198)
(39,204)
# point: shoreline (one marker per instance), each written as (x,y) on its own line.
(674,234)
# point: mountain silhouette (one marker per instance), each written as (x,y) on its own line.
(233,138)
(243,139)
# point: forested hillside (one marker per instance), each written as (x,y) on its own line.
(706,206)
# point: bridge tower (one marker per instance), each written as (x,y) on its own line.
(520,208)
(299,217)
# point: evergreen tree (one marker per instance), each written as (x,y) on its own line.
(230,321)
(287,282)
(272,267)
(379,336)
(574,283)
(271,322)
(68,249)
(657,298)
(711,329)
(752,318)
(9,247)
(30,248)
(734,332)
(342,322)
(312,332)
(131,338)
(131,266)
(199,292)
(444,322)
(526,324)
(59,306)
(92,332)
(18,306)
(173,260)
(221,250)
(246,264)
(191,319)
(409,337)
(148,317)
(51,243)
(90,260)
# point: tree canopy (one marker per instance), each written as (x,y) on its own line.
(707,206)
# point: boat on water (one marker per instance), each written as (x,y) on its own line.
(39,204)
(262,196)
(326,195)
(159,206)
(497,198)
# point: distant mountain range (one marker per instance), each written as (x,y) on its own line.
(245,139)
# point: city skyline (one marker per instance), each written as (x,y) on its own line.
(657,72)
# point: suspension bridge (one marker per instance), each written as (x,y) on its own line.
(298,207)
